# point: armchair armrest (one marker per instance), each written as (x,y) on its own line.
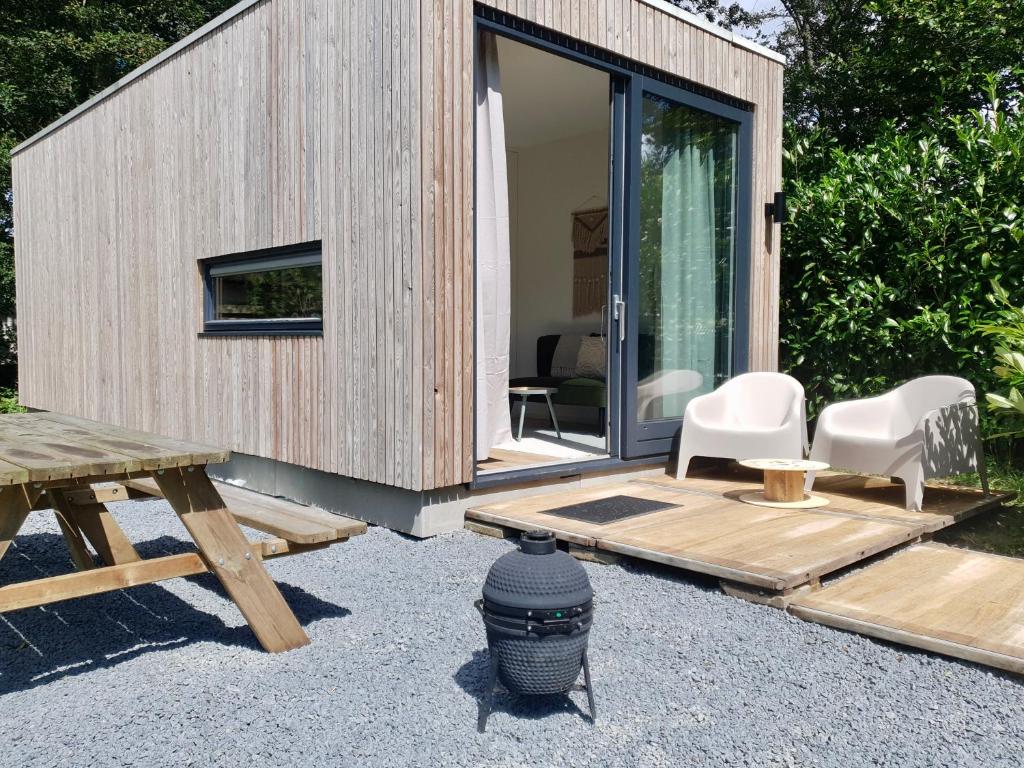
(708,410)
(937,417)
(952,439)
(860,415)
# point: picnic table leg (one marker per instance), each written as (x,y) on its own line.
(95,522)
(16,502)
(228,554)
(80,554)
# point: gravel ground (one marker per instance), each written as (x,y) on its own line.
(169,673)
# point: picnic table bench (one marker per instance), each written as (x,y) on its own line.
(74,466)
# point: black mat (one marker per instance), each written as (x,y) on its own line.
(609,510)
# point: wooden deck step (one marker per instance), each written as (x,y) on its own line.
(277,517)
(775,549)
(942,599)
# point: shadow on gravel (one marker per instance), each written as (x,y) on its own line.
(472,677)
(38,645)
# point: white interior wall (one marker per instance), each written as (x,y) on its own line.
(550,182)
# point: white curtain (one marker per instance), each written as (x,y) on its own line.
(688,264)
(493,271)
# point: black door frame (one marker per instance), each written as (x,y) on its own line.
(618,107)
(626,78)
(659,437)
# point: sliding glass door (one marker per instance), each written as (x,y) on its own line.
(686,260)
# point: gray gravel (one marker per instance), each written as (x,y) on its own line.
(684,675)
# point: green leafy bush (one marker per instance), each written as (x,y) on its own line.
(9,401)
(891,251)
(1008,331)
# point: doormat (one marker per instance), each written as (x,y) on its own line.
(610,510)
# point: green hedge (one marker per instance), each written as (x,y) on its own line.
(889,258)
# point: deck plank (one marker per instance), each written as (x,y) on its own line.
(951,601)
(500,460)
(965,604)
(790,546)
(772,548)
(865,496)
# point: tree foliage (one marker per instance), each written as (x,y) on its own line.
(892,249)
(730,15)
(856,65)
(904,173)
(279,293)
(1008,331)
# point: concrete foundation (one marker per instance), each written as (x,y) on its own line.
(418,513)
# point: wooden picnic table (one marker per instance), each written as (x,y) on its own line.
(52,461)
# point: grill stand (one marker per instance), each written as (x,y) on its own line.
(487,705)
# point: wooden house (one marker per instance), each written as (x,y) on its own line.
(352,241)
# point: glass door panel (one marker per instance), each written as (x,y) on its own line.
(687,221)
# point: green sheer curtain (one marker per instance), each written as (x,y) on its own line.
(686,255)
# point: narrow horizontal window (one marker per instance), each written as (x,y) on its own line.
(272,292)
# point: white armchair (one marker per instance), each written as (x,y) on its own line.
(752,416)
(925,428)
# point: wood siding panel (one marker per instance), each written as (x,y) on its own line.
(297,120)
(300,120)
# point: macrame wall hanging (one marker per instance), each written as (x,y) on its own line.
(590,261)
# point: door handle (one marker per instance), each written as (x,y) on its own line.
(619,313)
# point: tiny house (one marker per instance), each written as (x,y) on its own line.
(399,254)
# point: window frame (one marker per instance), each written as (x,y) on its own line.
(303,254)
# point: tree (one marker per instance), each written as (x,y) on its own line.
(904,168)
(55,54)
(893,248)
(855,65)
(731,16)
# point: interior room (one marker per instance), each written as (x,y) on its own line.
(556,121)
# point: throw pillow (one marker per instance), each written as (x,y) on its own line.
(563,362)
(592,360)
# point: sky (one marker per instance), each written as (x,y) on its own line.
(761,6)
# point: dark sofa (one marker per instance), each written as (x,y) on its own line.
(582,391)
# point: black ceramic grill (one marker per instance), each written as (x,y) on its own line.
(538,607)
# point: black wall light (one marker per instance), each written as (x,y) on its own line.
(777,208)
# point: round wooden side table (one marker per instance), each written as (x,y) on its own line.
(784,483)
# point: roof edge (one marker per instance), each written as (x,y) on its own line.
(244,5)
(135,74)
(699,21)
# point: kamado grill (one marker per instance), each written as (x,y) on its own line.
(538,607)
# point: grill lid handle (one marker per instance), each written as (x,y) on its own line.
(537,543)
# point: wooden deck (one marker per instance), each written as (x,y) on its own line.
(709,531)
(965,604)
(952,601)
